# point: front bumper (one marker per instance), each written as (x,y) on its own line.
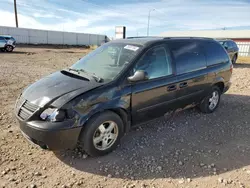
(52,139)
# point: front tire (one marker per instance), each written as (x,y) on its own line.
(210,103)
(9,48)
(101,134)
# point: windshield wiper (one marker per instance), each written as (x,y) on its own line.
(75,70)
(97,79)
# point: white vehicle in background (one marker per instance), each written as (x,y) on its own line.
(7,43)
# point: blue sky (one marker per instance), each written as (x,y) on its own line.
(101,17)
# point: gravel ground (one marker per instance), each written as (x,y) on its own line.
(189,150)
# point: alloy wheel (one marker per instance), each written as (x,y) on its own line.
(213,101)
(9,48)
(105,135)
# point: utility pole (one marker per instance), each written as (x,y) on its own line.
(149,20)
(15,13)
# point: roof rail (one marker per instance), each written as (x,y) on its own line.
(187,38)
(143,37)
(222,39)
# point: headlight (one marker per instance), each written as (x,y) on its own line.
(53,114)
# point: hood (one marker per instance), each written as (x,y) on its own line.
(54,86)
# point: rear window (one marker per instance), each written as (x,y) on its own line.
(188,56)
(215,53)
(233,44)
(230,44)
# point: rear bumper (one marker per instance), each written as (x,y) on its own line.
(52,139)
(227,86)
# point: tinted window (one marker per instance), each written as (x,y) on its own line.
(2,39)
(233,44)
(230,44)
(215,53)
(155,62)
(188,56)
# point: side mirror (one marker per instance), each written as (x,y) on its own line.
(138,76)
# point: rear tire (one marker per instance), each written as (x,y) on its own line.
(9,48)
(210,103)
(102,133)
(234,59)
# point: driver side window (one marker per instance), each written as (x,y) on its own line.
(156,62)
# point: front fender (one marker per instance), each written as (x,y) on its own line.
(114,104)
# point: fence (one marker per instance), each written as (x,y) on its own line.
(244,48)
(34,36)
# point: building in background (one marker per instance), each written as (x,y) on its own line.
(241,37)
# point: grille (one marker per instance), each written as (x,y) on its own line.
(29,106)
(25,109)
(23,114)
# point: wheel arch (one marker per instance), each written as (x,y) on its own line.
(220,85)
(121,112)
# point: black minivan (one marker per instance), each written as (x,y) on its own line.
(122,83)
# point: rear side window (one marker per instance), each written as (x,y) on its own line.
(188,56)
(215,53)
(2,39)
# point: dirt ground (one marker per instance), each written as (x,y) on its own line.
(190,150)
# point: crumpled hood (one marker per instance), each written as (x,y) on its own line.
(55,85)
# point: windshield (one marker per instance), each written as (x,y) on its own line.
(222,42)
(9,38)
(107,61)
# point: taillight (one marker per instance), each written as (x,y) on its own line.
(231,68)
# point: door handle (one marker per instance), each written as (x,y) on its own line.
(183,84)
(171,88)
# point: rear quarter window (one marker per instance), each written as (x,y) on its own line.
(215,53)
(188,56)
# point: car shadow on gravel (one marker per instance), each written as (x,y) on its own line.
(189,145)
(242,65)
(18,52)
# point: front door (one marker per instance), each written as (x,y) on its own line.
(152,98)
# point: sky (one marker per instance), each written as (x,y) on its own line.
(101,16)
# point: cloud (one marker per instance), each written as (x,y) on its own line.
(90,17)
(39,15)
(29,22)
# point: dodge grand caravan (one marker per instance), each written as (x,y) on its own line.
(122,83)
